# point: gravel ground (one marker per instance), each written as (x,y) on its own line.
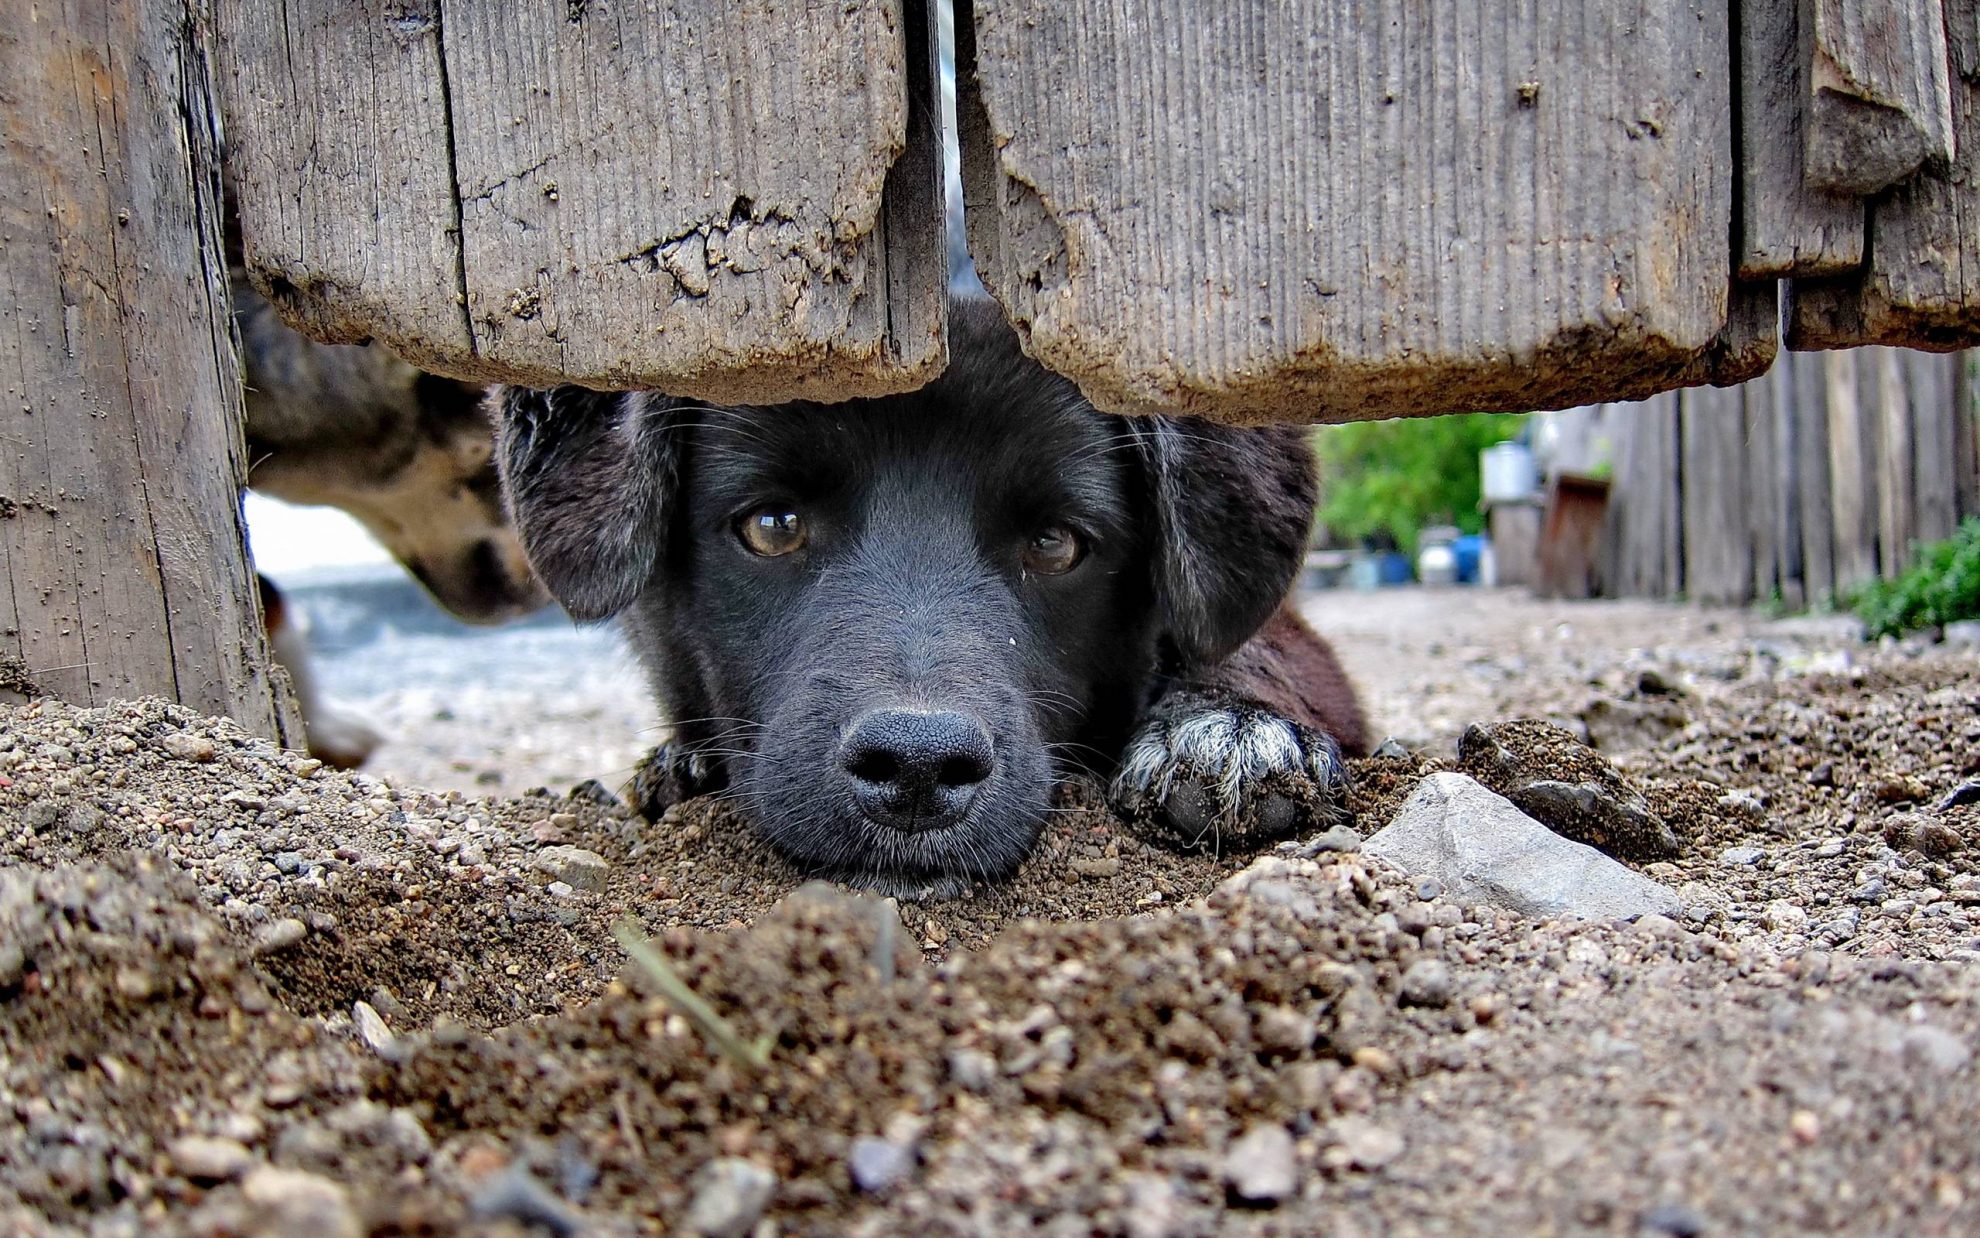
(243,994)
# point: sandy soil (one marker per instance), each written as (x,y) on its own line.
(243,994)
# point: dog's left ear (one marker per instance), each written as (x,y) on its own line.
(591,479)
(1234,507)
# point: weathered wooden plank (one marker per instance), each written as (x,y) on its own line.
(621,193)
(1930,383)
(1757,459)
(1785,455)
(1966,429)
(1808,381)
(1785,228)
(120,530)
(1879,104)
(1921,285)
(1717,554)
(1882,373)
(1318,210)
(1852,471)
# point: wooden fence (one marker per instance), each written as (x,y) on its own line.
(1308,210)
(1817,477)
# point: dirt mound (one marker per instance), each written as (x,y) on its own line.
(240,993)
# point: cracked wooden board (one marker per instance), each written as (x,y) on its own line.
(1328,211)
(740,202)
(1920,286)
(123,560)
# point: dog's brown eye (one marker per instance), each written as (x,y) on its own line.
(1053,551)
(771,531)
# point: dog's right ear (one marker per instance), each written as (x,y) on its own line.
(591,478)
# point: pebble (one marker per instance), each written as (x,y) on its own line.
(205,1159)
(876,1163)
(1429,888)
(279,935)
(1260,1167)
(1739,857)
(1965,793)
(300,1205)
(730,1195)
(1361,1144)
(373,1030)
(574,866)
(1783,916)
(1428,983)
(1674,1220)
(189,747)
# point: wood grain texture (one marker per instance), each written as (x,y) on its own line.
(1888,405)
(1879,104)
(1717,552)
(1323,211)
(1852,471)
(1966,433)
(733,201)
(1920,287)
(1785,228)
(121,543)
(1809,383)
(1931,389)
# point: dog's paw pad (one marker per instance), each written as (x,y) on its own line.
(1229,775)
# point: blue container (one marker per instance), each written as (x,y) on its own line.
(1393,568)
(1469,550)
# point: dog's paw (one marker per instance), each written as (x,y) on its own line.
(1208,772)
(671,773)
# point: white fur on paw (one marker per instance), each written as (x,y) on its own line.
(1234,772)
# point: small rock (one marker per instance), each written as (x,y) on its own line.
(1484,849)
(1392,748)
(1925,833)
(373,1030)
(1260,1167)
(1741,857)
(1965,793)
(1429,888)
(1745,803)
(299,1205)
(1566,786)
(1361,1144)
(972,1069)
(279,935)
(1671,1221)
(730,1194)
(581,869)
(876,1164)
(1106,866)
(1151,1207)
(205,1159)
(188,747)
(1782,916)
(1341,838)
(1428,982)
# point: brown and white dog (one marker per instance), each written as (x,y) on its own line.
(409,454)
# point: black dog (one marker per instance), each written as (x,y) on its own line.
(888,624)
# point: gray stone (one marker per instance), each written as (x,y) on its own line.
(204,1159)
(279,935)
(876,1164)
(1428,983)
(1260,1167)
(299,1205)
(1485,850)
(730,1195)
(581,869)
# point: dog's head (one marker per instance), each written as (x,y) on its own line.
(892,619)
(409,454)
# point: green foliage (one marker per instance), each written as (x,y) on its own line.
(1941,586)
(1404,475)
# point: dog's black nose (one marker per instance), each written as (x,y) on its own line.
(914,770)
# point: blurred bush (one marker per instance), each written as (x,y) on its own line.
(1382,480)
(1942,586)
